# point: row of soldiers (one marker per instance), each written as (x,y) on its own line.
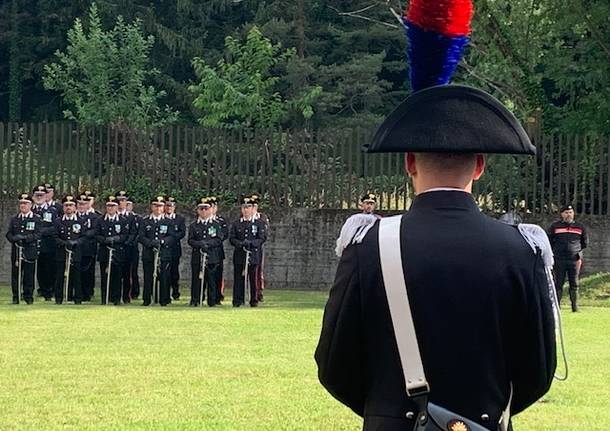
(59,244)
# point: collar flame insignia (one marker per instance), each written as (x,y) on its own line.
(457,425)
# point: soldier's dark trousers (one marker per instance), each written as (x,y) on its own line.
(133,257)
(46,274)
(163,280)
(175,277)
(75,292)
(210,283)
(131,286)
(220,285)
(115,282)
(571,268)
(238,284)
(88,276)
(27,280)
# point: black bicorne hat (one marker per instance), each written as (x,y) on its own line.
(451,119)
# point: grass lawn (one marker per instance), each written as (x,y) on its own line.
(132,368)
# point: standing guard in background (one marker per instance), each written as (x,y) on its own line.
(224,234)
(24,235)
(88,252)
(45,268)
(112,234)
(204,235)
(70,239)
(179,233)
(568,239)
(157,238)
(368,202)
(247,235)
(134,258)
(260,272)
(356,225)
(50,198)
(131,246)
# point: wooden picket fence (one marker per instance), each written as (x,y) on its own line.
(290,168)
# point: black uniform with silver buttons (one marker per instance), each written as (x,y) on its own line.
(46,262)
(205,236)
(89,252)
(70,236)
(112,233)
(157,233)
(179,233)
(246,235)
(24,232)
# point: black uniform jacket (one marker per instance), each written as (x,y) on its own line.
(567,240)
(179,233)
(112,233)
(70,234)
(47,214)
(207,236)
(481,309)
(25,232)
(224,231)
(90,221)
(157,234)
(248,234)
(134,227)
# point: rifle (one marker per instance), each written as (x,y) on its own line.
(109,274)
(204,263)
(246,278)
(67,273)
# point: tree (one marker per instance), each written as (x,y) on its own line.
(102,76)
(241,91)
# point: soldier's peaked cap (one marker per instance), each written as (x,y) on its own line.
(68,200)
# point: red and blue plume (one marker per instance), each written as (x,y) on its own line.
(438,31)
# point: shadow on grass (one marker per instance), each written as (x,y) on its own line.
(273,299)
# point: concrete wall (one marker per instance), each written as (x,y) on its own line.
(300,249)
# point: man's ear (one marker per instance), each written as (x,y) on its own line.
(410,165)
(479,167)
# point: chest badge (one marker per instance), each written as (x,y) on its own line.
(30,225)
(117,228)
(212,231)
(163,229)
(48,217)
(76,228)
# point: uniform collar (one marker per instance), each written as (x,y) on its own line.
(39,207)
(111,218)
(157,218)
(26,215)
(439,199)
(171,216)
(72,217)
(251,219)
(205,220)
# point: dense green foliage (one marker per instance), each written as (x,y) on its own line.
(128,368)
(552,55)
(242,91)
(102,75)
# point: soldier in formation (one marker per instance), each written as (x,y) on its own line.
(67,240)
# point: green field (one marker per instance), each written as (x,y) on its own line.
(132,368)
